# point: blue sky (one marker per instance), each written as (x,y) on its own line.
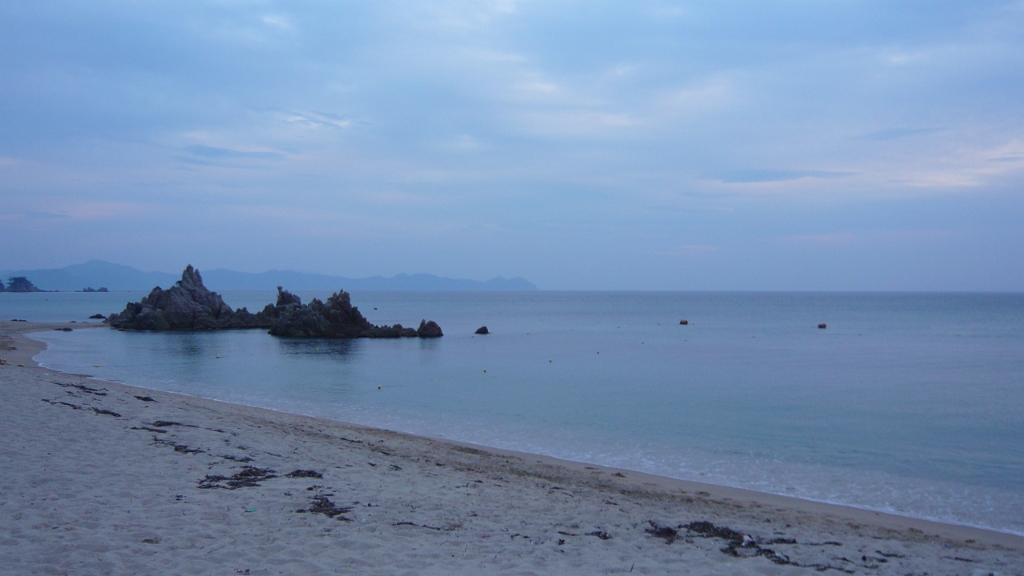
(776,145)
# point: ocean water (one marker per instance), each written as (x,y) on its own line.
(906,403)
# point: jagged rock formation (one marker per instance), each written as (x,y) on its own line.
(188,305)
(21,284)
(335,318)
(429,329)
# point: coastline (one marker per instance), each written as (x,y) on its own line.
(506,504)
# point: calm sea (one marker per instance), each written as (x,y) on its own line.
(906,403)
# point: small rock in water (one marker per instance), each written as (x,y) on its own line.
(482,330)
(822,326)
(684,322)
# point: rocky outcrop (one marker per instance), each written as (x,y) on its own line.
(21,284)
(429,329)
(335,318)
(482,330)
(188,305)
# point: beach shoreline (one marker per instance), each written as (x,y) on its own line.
(786,533)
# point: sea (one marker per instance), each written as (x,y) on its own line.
(911,404)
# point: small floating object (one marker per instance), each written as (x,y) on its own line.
(822,326)
(684,322)
(378,387)
(218,356)
(482,330)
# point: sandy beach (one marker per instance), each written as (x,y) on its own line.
(102,478)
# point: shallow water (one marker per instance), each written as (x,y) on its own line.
(908,403)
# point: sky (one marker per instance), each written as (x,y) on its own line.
(592,145)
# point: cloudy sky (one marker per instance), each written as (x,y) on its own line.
(748,145)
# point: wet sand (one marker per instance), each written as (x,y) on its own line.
(102,478)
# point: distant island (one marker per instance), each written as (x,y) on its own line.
(23,284)
(19,284)
(117,277)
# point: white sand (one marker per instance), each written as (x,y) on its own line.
(84,491)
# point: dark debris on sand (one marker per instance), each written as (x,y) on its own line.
(180,448)
(77,407)
(249,476)
(304,474)
(322,505)
(738,544)
(83,388)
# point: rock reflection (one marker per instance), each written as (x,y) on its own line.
(189,345)
(342,349)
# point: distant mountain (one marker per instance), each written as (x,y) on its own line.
(100,274)
(94,274)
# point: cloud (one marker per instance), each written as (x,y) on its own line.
(757,176)
(279,21)
(33,215)
(213,152)
(575,119)
(895,133)
(854,237)
(318,120)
